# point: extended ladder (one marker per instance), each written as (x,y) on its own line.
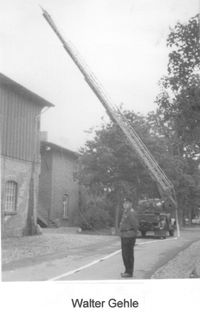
(164,184)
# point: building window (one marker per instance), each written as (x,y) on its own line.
(10,202)
(65,206)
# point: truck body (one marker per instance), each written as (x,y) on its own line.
(152,217)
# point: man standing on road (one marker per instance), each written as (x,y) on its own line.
(128,233)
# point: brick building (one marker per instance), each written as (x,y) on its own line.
(58,186)
(20,145)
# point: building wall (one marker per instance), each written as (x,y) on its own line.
(19,125)
(19,130)
(63,182)
(56,180)
(18,171)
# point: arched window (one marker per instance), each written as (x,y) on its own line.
(10,199)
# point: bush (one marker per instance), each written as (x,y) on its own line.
(93,214)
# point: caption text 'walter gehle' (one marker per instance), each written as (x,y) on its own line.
(111,303)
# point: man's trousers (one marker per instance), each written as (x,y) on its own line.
(127,246)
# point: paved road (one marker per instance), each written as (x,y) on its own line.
(105,263)
(150,254)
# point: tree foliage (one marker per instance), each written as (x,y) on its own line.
(108,159)
(179,99)
(184,58)
(178,112)
(94,213)
(111,168)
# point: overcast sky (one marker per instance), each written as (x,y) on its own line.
(123,41)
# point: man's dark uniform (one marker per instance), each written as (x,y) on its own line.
(128,233)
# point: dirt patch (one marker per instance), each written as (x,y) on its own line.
(52,242)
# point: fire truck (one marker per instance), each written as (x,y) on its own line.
(154,217)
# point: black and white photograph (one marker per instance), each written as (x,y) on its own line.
(100,145)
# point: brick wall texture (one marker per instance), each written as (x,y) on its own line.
(18,171)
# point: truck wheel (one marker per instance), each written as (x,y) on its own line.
(143,233)
(171,232)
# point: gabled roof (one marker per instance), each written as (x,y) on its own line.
(56,147)
(38,100)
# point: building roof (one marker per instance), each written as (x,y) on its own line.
(4,80)
(62,149)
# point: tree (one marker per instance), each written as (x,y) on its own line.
(111,169)
(179,99)
(178,113)
(184,58)
(180,168)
